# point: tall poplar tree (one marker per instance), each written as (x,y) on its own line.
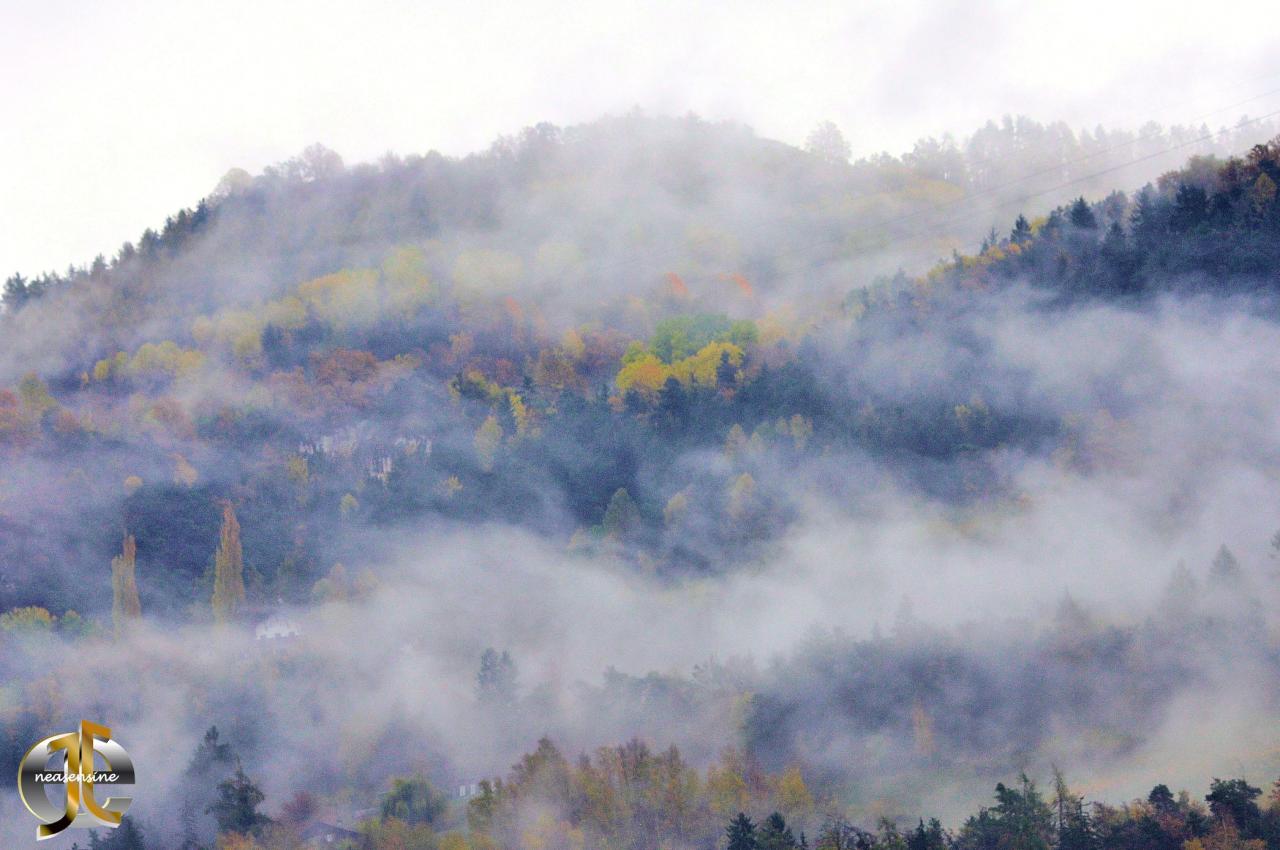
(228,569)
(124,588)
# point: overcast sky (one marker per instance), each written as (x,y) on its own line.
(115,113)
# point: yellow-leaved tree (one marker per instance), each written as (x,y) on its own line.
(794,798)
(488,439)
(125,606)
(405,284)
(228,569)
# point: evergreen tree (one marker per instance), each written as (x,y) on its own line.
(1190,208)
(210,754)
(1024,816)
(1021,233)
(1225,567)
(236,807)
(190,829)
(1147,221)
(741,833)
(126,836)
(1234,801)
(1082,216)
(228,569)
(1118,262)
(775,834)
(930,837)
(1075,832)
(496,681)
(1162,799)
(673,406)
(1020,820)
(15,293)
(211,762)
(726,372)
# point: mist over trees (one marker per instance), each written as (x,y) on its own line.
(839,491)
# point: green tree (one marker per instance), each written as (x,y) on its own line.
(1024,815)
(496,681)
(774,834)
(126,836)
(1263,193)
(1233,800)
(1020,820)
(927,837)
(15,293)
(838,834)
(1021,233)
(1082,216)
(35,395)
(828,144)
(1162,799)
(483,808)
(211,762)
(414,801)
(673,406)
(741,833)
(1074,827)
(28,620)
(1225,567)
(236,807)
(621,516)
(73,625)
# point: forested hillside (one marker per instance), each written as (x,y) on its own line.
(654,429)
(539,333)
(1209,228)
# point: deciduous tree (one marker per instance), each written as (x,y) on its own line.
(125,606)
(228,569)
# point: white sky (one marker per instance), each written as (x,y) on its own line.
(115,113)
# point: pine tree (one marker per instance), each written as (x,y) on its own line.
(211,762)
(187,819)
(775,834)
(125,606)
(496,681)
(1021,233)
(741,833)
(1075,831)
(673,406)
(1225,567)
(1162,799)
(927,837)
(236,808)
(228,569)
(127,836)
(1082,216)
